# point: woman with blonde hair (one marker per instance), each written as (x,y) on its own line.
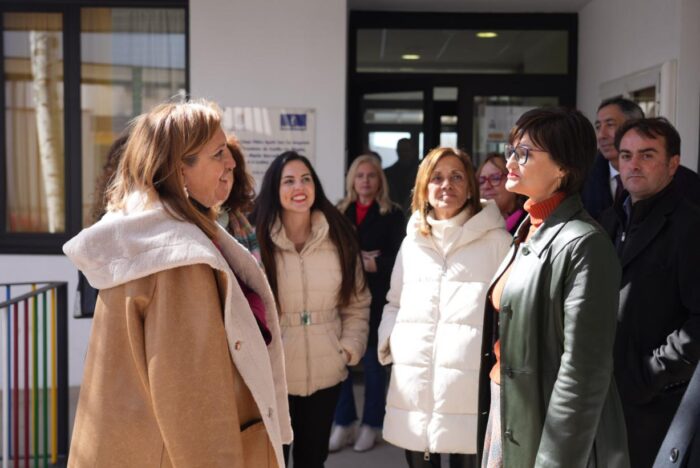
(381,227)
(491,175)
(185,365)
(431,326)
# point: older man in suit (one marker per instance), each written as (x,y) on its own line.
(603,185)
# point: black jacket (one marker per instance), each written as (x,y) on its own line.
(657,344)
(681,447)
(384,233)
(596,191)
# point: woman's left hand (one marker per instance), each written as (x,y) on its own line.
(368,262)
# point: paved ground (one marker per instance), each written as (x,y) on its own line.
(383,455)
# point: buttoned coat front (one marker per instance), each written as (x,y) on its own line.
(559,404)
(177,372)
(431,332)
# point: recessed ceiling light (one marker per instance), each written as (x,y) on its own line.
(486,35)
(410,57)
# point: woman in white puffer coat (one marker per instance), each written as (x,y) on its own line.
(431,326)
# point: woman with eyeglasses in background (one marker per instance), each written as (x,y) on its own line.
(546,393)
(492,186)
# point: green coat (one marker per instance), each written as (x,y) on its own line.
(559,404)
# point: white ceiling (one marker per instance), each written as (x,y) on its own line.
(491,6)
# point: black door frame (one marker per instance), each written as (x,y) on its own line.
(469,85)
(43,242)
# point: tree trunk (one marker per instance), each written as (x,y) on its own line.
(44,57)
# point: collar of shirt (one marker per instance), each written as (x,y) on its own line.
(613,181)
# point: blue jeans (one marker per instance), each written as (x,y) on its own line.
(375,394)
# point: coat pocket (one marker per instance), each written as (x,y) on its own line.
(257,449)
(335,345)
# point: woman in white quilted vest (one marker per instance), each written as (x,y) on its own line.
(312,260)
(431,326)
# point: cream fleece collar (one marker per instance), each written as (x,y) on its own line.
(143,239)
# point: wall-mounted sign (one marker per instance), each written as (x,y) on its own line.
(266,132)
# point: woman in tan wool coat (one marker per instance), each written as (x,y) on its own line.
(185,365)
(312,260)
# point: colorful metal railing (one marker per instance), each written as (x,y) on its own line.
(34,373)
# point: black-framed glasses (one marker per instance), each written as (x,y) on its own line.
(521,153)
(494,179)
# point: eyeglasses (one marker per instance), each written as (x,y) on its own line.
(521,153)
(494,180)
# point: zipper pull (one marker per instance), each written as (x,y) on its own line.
(426,455)
(624,235)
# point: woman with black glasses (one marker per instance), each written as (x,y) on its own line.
(547,395)
(491,176)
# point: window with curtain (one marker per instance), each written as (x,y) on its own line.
(34,149)
(72,80)
(131,60)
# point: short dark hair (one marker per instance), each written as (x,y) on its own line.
(653,128)
(567,135)
(630,108)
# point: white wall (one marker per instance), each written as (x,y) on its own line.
(246,53)
(277,53)
(688,103)
(28,268)
(621,37)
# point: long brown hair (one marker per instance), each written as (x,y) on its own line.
(425,170)
(114,156)
(154,154)
(340,231)
(243,191)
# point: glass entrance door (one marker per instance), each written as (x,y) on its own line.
(493,118)
(453,79)
(388,118)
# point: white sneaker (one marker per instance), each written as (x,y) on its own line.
(341,436)
(366,438)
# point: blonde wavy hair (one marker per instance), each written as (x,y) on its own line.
(425,170)
(382,198)
(161,141)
